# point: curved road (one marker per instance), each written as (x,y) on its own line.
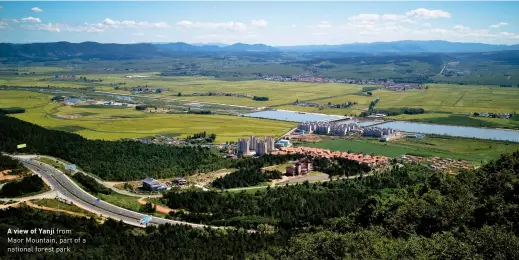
(71,191)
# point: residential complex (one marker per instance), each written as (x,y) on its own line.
(445,164)
(325,128)
(378,132)
(255,145)
(371,161)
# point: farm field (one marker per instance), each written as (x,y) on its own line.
(115,123)
(464,120)
(476,151)
(443,103)
(453,99)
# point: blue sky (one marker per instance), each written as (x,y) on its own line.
(273,23)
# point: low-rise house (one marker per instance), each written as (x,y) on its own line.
(179,181)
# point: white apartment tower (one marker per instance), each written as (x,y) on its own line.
(243,146)
(270,143)
(253,142)
(261,148)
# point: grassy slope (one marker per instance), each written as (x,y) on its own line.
(446,147)
(51,203)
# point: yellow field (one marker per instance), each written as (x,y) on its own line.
(115,123)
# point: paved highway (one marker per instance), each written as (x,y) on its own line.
(71,191)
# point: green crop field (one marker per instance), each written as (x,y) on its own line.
(473,150)
(443,103)
(453,99)
(114,123)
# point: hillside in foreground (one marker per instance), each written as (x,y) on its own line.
(408,213)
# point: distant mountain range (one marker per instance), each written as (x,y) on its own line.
(90,50)
(237,47)
(402,47)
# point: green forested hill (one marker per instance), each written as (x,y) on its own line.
(110,160)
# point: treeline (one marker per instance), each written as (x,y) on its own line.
(245,178)
(8,163)
(12,110)
(509,86)
(110,160)
(399,111)
(28,184)
(90,183)
(293,206)
(341,167)
(249,171)
(202,136)
(371,108)
(117,241)
(256,98)
(200,112)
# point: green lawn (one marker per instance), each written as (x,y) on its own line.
(445,147)
(120,200)
(52,163)
(52,203)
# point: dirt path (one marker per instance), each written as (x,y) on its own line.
(4,176)
(30,204)
(159,208)
(14,205)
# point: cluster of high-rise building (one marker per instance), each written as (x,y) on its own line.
(324,128)
(378,132)
(254,144)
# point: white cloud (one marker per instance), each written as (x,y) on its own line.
(232,26)
(44,27)
(391,17)
(364,18)
(426,25)
(31,19)
(161,36)
(138,34)
(294,25)
(36,9)
(428,14)
(461,28)
(109,23)
(1,7)
(321,25)
(498,25)
(259,23)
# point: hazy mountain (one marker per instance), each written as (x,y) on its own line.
(107,51)
(250,47)
(210,44)
(84,50)
(186,47)
(402,46)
